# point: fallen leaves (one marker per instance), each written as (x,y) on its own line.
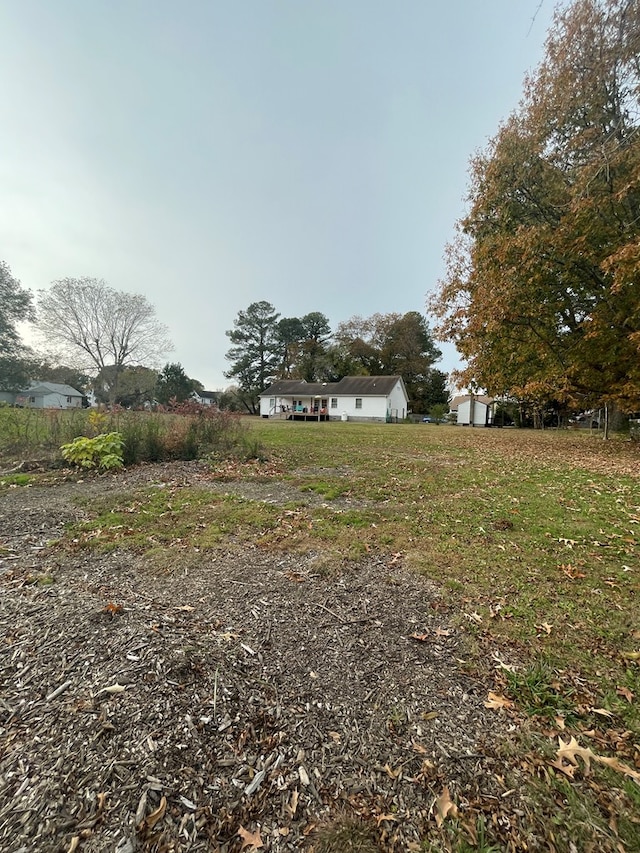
(572,572)
(157,815)
(444,807)
(496,701)
(571,750)
(250,839)
(626,693)
(423,638)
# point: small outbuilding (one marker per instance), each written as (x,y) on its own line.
(473,410)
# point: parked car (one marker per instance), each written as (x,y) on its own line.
(427,420)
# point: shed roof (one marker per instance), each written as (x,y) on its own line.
(462,398)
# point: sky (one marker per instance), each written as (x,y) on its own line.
(209,154)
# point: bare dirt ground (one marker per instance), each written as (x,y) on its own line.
(240,699)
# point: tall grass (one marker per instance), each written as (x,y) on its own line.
(188,432)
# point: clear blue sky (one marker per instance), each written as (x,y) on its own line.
(210,154)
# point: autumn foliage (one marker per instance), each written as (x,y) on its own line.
(542,291)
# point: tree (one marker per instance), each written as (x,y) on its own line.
(542,293)
(438,411)
(16,305)
(64,375)
(255,353)
(289,333)
(101,327)
(432,391)
(136,386)
(173,384)
(316,333)
(390,344)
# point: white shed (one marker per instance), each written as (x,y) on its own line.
(475,411)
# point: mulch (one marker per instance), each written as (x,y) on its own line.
(239,695)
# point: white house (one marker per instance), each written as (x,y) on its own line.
(205,398)
(473,410)
(49,395)
(357,398)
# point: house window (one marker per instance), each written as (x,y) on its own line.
(334,402)
(32,399)
(272,403)
(358,402)
(68,399)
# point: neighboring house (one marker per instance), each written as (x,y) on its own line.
(49,395)
(357,398)
(473,409)
(205,398)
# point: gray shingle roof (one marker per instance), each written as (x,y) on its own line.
(51,388)
(353,386)
(367,386)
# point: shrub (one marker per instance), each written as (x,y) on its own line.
(104,451)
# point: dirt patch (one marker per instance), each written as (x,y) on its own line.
(147,710)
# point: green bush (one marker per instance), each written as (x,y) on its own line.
(104,451)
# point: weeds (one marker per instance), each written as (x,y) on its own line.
(537,690)
(16,480)
(185,433)
(346,835)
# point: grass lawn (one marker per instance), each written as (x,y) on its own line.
(533,536)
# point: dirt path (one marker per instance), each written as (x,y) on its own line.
(166,711)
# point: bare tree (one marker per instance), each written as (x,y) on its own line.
(108,328)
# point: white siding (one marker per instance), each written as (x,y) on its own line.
(372,408)
(58,401)
(480,413)
(398,402)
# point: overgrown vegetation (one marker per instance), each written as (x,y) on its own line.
(188,431)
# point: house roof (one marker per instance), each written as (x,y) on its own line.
(353,386)
(373,386)
(462,398)
(293,387)
(51,388)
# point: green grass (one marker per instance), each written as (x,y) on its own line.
(534,538)
(15,480)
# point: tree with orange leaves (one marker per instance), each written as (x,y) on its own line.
(542,291)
